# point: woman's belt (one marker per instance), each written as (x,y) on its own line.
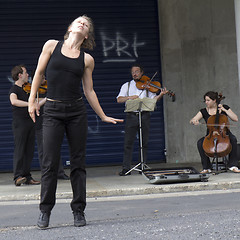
(65,101)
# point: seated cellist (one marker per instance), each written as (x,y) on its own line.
(211,101)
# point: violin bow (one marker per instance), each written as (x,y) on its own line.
(217,125)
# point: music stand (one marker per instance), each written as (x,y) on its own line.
(139,105)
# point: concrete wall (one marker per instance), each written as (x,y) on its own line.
(198,50)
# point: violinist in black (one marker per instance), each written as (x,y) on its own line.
(211,99)
(23,129)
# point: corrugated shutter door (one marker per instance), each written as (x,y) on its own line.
(126,32)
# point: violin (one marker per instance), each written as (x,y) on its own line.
(217,142)
(41,90)
(153,86)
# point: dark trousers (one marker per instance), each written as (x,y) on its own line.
(233,160)
(39,137)
(60,118)
(24,142)
(131,129)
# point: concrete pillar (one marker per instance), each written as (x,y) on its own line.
(198,54)
(237,19)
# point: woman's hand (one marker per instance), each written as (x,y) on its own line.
(229,112)
(194,122)
(221,108)
(112,120)
(33,107)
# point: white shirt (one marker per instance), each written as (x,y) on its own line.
(133,90)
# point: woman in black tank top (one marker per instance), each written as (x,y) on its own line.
(210,99)
(67,67)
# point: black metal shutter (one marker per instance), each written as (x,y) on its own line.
(126,32)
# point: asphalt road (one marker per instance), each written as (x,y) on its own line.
(190,215)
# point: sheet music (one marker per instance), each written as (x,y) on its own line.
(145,104)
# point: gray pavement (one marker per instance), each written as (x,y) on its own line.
(105,181)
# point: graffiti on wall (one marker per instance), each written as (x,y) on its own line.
(119,48)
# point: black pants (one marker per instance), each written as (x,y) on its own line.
(131,129)
(24,142)
(39,137)
(233,160)
(60,118)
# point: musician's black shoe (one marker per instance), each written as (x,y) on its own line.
(43,220)
(79,219)
(123,172)
(63,177)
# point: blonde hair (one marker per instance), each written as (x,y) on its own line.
(88,43)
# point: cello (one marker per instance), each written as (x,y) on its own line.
(217,142)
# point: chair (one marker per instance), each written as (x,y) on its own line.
(220,164)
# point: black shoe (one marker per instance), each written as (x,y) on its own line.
(43,220)
(79,219)
(123,172)
(63,177)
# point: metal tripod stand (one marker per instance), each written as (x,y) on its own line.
(141,163)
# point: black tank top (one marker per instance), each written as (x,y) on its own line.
(206,116)
(64,75)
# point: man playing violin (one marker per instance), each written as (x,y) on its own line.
(128,91)
(211,101)
(23,129)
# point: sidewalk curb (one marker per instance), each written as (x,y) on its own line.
(148,189)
